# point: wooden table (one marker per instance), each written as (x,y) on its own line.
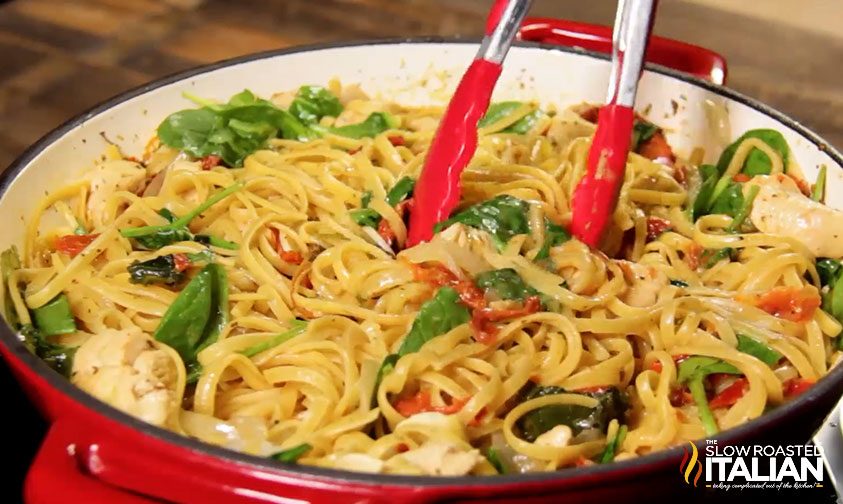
(59,57)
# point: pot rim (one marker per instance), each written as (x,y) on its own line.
(630,467)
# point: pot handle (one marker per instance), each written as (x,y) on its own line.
(57,475)
(681,56)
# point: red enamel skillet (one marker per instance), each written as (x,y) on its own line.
(94,453)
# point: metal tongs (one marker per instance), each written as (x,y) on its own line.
(595,197)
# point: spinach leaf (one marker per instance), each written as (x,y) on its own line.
(679,283)
(198,315)
(743,212)
(365,199)
(829,270)
(831,278)
(167,214)
(499,110)
(155,237)
(204,257)
(730,201)
(703,366)
(613,445)
(232,130)
(387,366)
(376,123)
(833,305)
(525,124)
(366,216)
(296,327)
(160,270)
(9,262)
(55,317)
(757,163)
(503,217)
(757,349)
(818,193)
(506,284)
(400,191)
(216,242)
(692,372)
(641,132)
(312,103)
(58,357)
(436,316)
(495,460)
(701,204)
(194,372)
(291,455)
(163,237)
(554,235)
(715,256)
(612,404)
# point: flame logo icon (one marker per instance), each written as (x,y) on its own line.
(687,466)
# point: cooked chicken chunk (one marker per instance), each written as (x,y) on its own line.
(557,437)
(645,282)
(781,209)
(566,126)
(129,371)
(465,236)
(442,458)
(109,177)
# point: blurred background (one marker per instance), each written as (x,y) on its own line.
(60,57)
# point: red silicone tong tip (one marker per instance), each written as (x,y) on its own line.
(594,198)
(437,191)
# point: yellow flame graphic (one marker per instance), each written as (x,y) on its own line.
(687,467)
(691,463)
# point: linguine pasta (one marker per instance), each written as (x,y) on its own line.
(587,367)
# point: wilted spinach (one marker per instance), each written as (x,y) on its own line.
(503,217)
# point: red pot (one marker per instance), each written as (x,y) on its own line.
(94,453)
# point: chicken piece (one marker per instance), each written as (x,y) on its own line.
(109,177)
(359,462)
(781,209)
(127,370)
(567,126)
(465,236)
(557,437)
(472,244)
(645,283)
(442,458)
